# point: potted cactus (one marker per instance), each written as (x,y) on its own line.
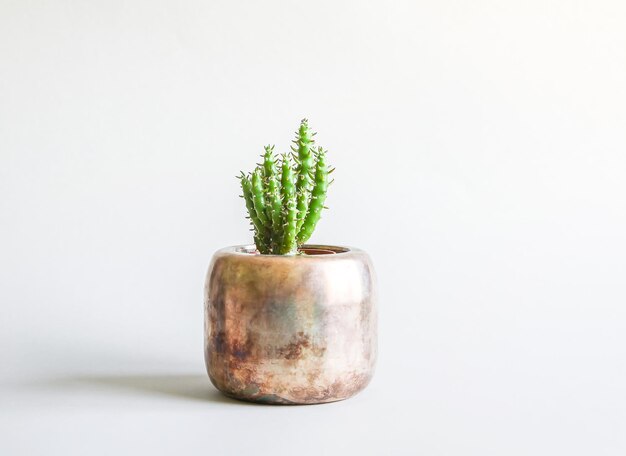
(288,322)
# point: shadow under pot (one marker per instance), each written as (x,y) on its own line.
(296,329)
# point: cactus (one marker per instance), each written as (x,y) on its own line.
(285,205)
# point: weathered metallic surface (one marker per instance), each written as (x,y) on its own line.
(290,329)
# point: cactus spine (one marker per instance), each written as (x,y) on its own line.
(284,207)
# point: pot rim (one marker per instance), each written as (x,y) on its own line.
(246,250)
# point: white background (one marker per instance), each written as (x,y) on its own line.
(480,153)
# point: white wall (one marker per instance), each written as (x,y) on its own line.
(480,153)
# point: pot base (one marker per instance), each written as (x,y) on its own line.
(277,400)
(338,391)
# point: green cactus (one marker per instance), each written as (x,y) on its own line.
(284,205)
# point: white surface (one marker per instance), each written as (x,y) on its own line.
(480,153)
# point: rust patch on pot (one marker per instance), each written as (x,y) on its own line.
(301,344)
(294,349)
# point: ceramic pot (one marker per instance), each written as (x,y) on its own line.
(290,329)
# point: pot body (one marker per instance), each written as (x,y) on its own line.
(290,329)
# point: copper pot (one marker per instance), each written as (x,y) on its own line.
(290,329)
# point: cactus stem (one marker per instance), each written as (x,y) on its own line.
(318,195)
(289,209)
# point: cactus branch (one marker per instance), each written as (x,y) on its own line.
(258,197)
(272,190)
(318,196)
(289,210)
(304,141)
(246,186)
